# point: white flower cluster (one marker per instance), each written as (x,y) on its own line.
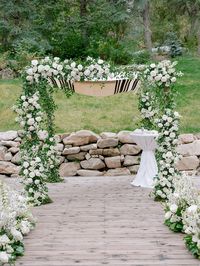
(162,74)
(29,113)
(90,69)
(167,156)
(183,212)
(146,108)
(16,221)
(191,224)
(38,160)
(34,175)
(51,155)
(44,68)
(184,195)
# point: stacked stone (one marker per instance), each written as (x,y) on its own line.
(9,153)
(85,153)
(189,148)
(89,154)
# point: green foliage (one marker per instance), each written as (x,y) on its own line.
(175,227)
(141,57)
(174,43)
(192,246)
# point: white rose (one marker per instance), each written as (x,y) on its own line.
(32,174)
(160,125)
(152,65)
(167,215)
(195,238)
(42,134)
(55,72)
(37,182)
(73,64)
(59,67)
(34,62)
(31,121)
(29,180)
(91,67)
(22,123)
(164,79)
(176,114)
(29,78)
(198,244)
(16,234)
(100,61)
(173,208)
(37,159)
(173,79)
(157,78)
(25,172)
(38,118)
(4,257)
(25,164)
(192,209)
(172,135)
(87,72)
(29,71)
(30,190)
(47,67)
(4,240)
(31,128)
(171,170)
(164,117)
(80,67)
(40,68)
(54,65)
(73,74)
(153,73)
(23,98)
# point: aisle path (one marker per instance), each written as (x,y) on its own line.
(102,221)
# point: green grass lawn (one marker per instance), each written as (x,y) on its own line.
(114,113)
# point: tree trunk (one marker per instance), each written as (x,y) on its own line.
(83,16)
(198,42)
(147,26)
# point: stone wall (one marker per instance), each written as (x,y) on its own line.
(85,153)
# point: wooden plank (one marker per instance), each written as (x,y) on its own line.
(102,221)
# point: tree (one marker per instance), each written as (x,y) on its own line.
(143,7)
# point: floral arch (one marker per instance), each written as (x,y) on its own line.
(35,109)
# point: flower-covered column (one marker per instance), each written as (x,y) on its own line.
(159,111)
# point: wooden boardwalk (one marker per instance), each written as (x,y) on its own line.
(102,221)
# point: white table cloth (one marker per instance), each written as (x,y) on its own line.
(148,169)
